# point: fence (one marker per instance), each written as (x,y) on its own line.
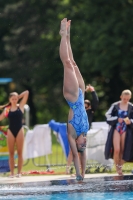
(58,158)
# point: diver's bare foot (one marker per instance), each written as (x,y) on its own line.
(63,28)
(67,170)
(68,28)
(119,170)
(120,174)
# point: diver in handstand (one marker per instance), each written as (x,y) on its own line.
(73,91)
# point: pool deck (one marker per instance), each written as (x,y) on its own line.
(39,178)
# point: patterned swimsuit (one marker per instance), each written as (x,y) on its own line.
(80,119)
(121,127)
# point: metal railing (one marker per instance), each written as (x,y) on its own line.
(58,159)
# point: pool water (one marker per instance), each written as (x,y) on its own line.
(106,188)
(94,196)
(76,196)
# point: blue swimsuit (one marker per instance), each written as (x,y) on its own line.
(80,119)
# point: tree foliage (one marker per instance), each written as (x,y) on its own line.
(101,37)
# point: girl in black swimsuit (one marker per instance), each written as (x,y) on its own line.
(15,121)
(15,134)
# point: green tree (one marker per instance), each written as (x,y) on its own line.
(101,37)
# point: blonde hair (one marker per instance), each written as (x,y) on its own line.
(126,92)
(9,104)
(13,94)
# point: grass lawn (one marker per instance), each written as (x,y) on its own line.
(127,168)
(57,160)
